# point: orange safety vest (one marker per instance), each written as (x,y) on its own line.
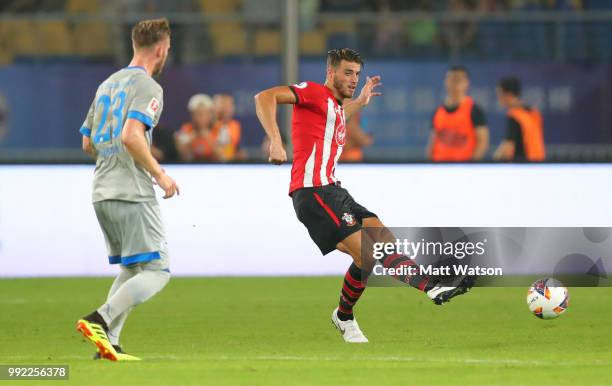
(532,131)
(228,136)
(352,154)
(454,134)
(201,146)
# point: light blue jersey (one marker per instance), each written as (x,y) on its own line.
(128,93)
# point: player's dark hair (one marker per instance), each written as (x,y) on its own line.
(337,55)
(459,68)
(148,32)
(510,85)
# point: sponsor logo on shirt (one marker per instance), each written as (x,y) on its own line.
(153,106)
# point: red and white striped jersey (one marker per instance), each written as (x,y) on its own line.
(318,132)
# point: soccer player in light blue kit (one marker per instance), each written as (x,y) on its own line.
(117,132)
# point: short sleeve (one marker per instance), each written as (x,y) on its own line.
(305,92)
(147,104)
(86,126)
(479,117)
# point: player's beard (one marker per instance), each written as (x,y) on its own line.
(342,89)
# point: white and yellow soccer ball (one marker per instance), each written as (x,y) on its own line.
(547,298)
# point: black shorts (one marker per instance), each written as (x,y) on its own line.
(329,213)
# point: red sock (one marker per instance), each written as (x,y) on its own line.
(420,282)
(352,288)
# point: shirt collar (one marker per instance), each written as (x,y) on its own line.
(135,68)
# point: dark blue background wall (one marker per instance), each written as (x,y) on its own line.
(47,103)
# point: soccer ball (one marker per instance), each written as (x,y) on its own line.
(547,298)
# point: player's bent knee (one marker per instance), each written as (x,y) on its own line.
(346,249)
(154,282)
(165,277)
(377,231)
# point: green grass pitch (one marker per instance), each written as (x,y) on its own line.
(277,331)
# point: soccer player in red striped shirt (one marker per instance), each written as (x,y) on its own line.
(333,219)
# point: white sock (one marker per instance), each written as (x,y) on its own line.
(114,329)
(138,289)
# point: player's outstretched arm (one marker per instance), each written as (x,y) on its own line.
(367,92)
(134,140)
(265,106)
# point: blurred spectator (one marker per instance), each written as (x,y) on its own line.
(487,6)
(164,148)
(341,5)
(389,39)
(422,33)
(458,35)
(356,140)
(526,5)
(524,139)
(195,141)
(183,34)
(459,126)
(396,5)
(23,6)
(226,131)
(152,6)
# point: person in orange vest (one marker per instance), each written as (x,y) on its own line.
(524,140)
(459,126)
(195,141)
(227,131)
(356,140)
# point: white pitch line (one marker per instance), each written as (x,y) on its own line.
(407,359)
(295,358)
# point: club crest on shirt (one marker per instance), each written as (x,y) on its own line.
(340,127)
(153,106)
(349,219)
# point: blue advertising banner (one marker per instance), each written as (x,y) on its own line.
(43,106)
